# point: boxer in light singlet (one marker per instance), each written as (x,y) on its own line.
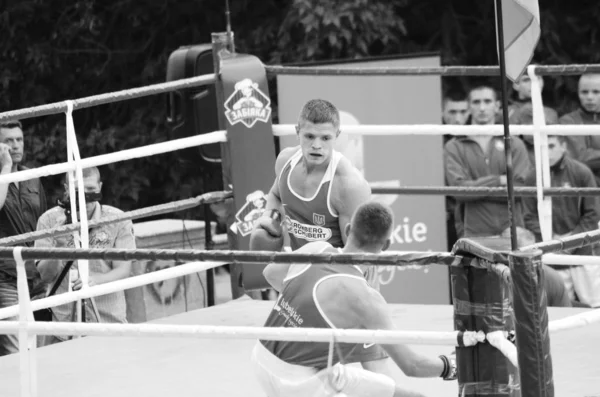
(316,188)
(337,296)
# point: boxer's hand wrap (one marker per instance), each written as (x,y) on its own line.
(450,371)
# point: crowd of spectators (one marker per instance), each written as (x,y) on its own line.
(479,160)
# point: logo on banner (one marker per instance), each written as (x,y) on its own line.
(250,212)
(307,232)
(247,104)
(318,219)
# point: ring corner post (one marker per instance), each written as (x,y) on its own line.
(531,324)
(248,156)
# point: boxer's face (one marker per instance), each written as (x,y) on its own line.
(317,141)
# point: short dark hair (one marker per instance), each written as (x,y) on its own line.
(371,224)
(454,96)
(11,124)
(320,111)
(482,86)
(561,138)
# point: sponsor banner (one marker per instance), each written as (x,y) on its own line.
(389,160)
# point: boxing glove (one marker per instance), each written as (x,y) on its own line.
(268,232)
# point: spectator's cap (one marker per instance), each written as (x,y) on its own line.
(524,115)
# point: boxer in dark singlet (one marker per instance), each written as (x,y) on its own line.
(337,296)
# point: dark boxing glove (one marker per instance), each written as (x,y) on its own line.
(268,232)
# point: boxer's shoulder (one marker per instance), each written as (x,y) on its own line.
(316,247)
(284,156)
(349,182)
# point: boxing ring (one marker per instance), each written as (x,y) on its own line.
(207,351)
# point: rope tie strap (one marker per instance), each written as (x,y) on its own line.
(336,374)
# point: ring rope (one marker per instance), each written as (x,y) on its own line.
(499,340)
(445,338)
(578,240)
(445,129)
(546,70)
(207,198)
(114,286)
(576,321)
(110,97)
(481,191)
(570,260)
(448,338)
(109,158)
(403,258)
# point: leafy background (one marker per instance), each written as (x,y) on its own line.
(56,50)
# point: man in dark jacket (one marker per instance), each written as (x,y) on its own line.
(480,161)
(570,215)
(21,204)
(586,148)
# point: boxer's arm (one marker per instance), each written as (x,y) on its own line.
(275,274)
(348,193)
(274,197)
(381,366)
(371,311)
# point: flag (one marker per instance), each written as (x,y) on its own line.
(521,23)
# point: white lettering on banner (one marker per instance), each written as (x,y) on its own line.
(307,232)
(247,113)
(288,312)
(404,233)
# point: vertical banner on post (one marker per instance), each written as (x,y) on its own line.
(250,160)
(388,161)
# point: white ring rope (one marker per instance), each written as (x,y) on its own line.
(499,341)
(236,332)
(109,158)
(576,321)
(114,286)
(81,240)
(570,260)
(110,97)
(441,129)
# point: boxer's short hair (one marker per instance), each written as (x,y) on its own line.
(320,111)
(371,224)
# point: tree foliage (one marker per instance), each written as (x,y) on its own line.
(56,50)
